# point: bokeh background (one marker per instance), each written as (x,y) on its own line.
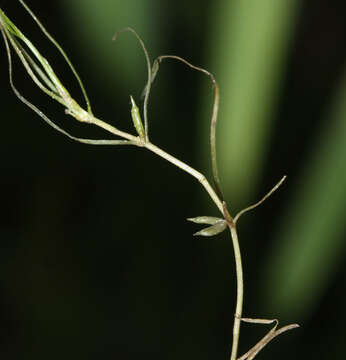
(97,260)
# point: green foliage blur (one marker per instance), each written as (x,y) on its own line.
(97,259)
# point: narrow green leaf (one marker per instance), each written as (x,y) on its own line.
(23,56)
(310,242)
(215,229)
(211,220)
(249,72)
(56,44)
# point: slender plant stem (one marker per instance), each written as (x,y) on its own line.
(215,196)
(240,290)
(113,130)
(193,172)
(266,196)
(236,248)
(221,206)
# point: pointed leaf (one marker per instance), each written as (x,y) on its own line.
(213,230)
(211,220)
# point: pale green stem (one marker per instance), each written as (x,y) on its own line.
(114,130)
(240,291)
(266,196)
(196,174)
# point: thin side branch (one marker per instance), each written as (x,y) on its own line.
(240,213)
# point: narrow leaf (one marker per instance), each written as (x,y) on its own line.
(56,44)
(211,220)
(212,230)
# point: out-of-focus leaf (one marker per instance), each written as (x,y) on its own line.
(311,241)
(247,49)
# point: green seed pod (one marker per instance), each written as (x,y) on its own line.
(211,220)
(215,229)
(136,118)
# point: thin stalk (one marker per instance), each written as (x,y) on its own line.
(193,172)
(112,129)
(240,290)
(265,197)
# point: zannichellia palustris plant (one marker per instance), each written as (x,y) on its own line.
(43,75)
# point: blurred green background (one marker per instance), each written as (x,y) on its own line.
(97,260)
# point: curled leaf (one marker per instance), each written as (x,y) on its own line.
(215,229)
(211,220)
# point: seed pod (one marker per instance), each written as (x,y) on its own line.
(136,118)
(211,220)
(215,229)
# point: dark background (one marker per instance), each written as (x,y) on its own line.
(97,260)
